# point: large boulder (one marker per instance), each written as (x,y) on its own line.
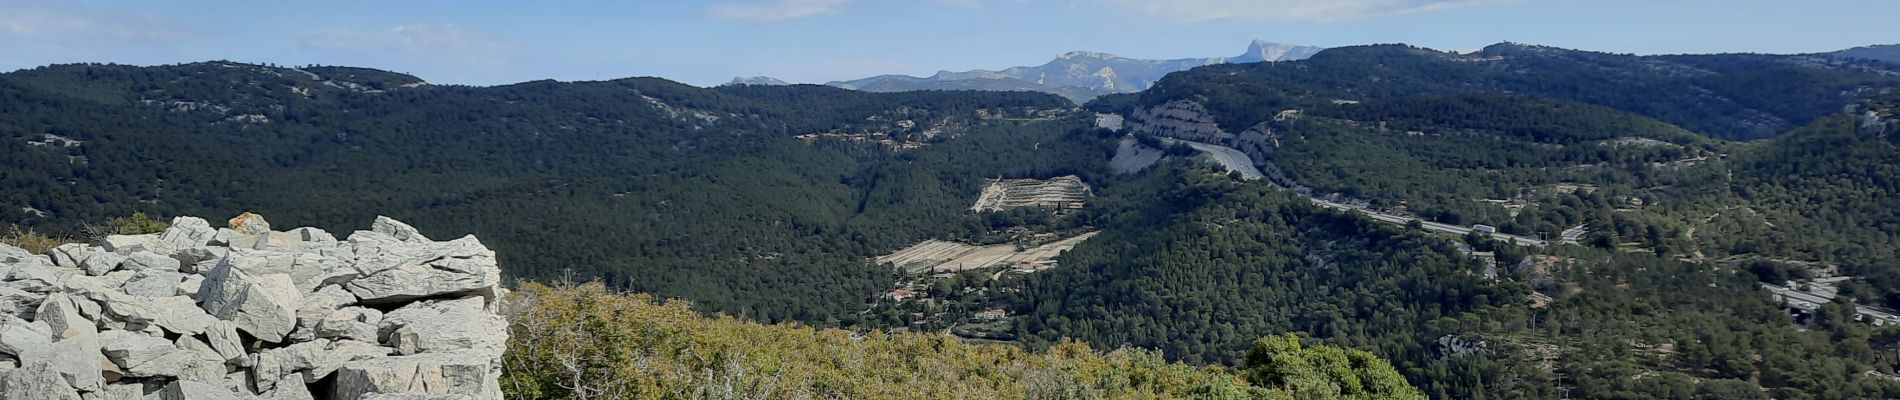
(404,271)
(397,230)
(456,373)
(223,337)
(445,325)
(142,356)
(126,245)
(75,360)
(61,313)
(264,306)
(145,260)
(249,224)
(36,382)
(18,335)
(154,283)
(310,361)
(176,314)
(188,232)
(351,323)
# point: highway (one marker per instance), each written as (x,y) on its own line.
(1809,302)
(1234,160)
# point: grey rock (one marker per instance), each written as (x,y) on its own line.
(311,361)
(397,229)
(191,285)
(350,323)
(198,260)
(265,306)
(128,391)
(17,335)
(61,313)
(177,314)
(154,283)
(75,360)
(39,277)
(151,261)
(223,337)
(187,232)
(17,302)
(446,325)
(288,391)
(128,244)
(458,373)
(407,271)
(206,364)
(36,382)
(329,297)
(308,270)
(70,255)
(313,235)
(141,356)
(187,390)
(101,262)
(406,396)
(7,250)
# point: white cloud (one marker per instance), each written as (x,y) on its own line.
(1283,10)
(775,10)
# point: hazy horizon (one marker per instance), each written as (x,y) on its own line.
(816,41)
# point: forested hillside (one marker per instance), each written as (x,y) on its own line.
(648,184)
(768,204)
(1730,96)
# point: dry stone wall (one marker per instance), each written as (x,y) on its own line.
(247,312)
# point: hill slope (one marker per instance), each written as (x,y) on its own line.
(1730,96)
(650,184)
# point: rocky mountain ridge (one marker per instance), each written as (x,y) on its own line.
(246,312)
(1077,75)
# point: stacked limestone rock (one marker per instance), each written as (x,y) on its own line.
(247,312)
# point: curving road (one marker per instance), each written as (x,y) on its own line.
(1235,160)
(1228,157)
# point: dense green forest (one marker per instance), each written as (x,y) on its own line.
(1225,261)
(648,184)
(765,203)
(1730,96)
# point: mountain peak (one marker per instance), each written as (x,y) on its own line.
(1089,54)
(756,80)
(1263,50)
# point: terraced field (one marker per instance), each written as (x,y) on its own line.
(1062,192)
(945,256)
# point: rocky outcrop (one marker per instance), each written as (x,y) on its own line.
(245,312)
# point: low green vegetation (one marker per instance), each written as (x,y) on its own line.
(583,341)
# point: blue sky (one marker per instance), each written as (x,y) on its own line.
(813,41)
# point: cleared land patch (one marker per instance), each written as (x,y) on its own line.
(945,256)
(1062,192)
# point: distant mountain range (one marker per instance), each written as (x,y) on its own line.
(1078,76)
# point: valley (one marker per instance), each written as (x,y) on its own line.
(1515,222)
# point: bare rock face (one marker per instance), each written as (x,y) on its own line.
(265,306)
(246,312)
